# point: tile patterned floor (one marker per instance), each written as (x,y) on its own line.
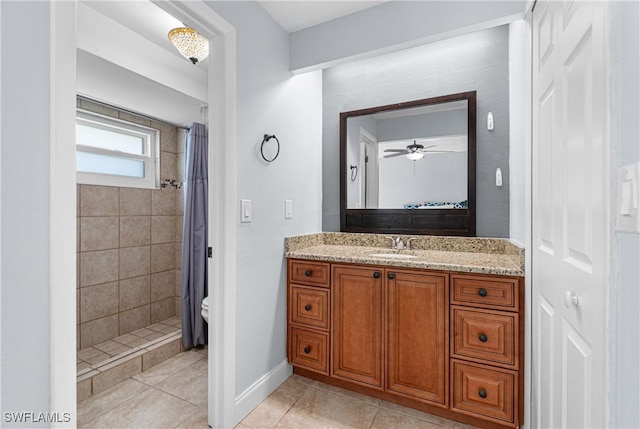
(100,354)
(173,394)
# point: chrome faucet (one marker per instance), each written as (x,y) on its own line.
(398,244)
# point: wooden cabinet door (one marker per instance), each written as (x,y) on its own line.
(358,316)
(418,335)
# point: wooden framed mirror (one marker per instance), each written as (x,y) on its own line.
(410,168)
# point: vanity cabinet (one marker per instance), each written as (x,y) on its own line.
(417,335)
(446,343)
(358,321)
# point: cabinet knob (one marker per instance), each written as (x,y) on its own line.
(482,292)
(307,273)
(482,393)
(376,275)
(308,349)
(391,276)
(307,307)
(483,338)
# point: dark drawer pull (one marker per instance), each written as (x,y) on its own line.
(308,308)
(482,393)
(483,338)
(307,273)
(482,292)
(308,349)
(376,275)
(391,276)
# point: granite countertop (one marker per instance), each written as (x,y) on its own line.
(461,254)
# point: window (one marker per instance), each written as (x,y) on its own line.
(116,153)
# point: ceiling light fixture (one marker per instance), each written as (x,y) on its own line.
(189,43)
(414,156)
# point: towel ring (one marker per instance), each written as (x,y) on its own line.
(354,172)
(266,138)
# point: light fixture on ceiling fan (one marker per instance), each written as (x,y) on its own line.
(191,44)
(413,152)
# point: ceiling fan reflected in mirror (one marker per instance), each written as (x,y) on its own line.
(413,151)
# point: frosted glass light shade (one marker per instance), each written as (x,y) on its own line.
(191,44)
(414,156)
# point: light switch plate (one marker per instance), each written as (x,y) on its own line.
(288,209)
(628,196)
(245,210)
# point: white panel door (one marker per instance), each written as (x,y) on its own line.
(570,216)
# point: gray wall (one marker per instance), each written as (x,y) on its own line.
(25,226)
(625,294)
(478,61)
(392,26)
(270,100)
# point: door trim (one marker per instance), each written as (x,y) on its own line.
(222,213)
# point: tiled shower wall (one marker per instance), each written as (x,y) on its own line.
(129,245)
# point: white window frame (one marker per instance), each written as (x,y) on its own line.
(151,157)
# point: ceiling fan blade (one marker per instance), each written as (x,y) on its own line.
(395,150)
(437,151)
(395,155)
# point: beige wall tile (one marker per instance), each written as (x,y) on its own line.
(135,202)
(98,267)
(98,301)
(179,228)
(181,143)
(180,201)
(163,201)
(98,200)
(135,119)
(134,319)
(97,108)
(163,257)
(118,373)
(168,136)
(168,169)
(178,283)
(163,285)
(98,330)
(134,292)
(160,353)
(178,307)
(134,261)
(180,166)
(163,229)
(135,231)
(178,256)
(98,233)
(77,270)
(161,310)
(83,390)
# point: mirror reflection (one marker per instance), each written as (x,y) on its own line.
(414,158)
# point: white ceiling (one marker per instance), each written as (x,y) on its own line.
(299,14)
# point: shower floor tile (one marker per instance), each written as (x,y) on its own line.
(111,350)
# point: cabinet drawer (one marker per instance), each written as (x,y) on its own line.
(484,291)
(482,391)
(314,273)
(485,335)
(310,306)
(309,350)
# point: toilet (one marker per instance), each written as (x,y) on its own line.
(205,309)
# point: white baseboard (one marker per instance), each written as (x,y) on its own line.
(258,391)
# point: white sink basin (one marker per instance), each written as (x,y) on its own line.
(393,255)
